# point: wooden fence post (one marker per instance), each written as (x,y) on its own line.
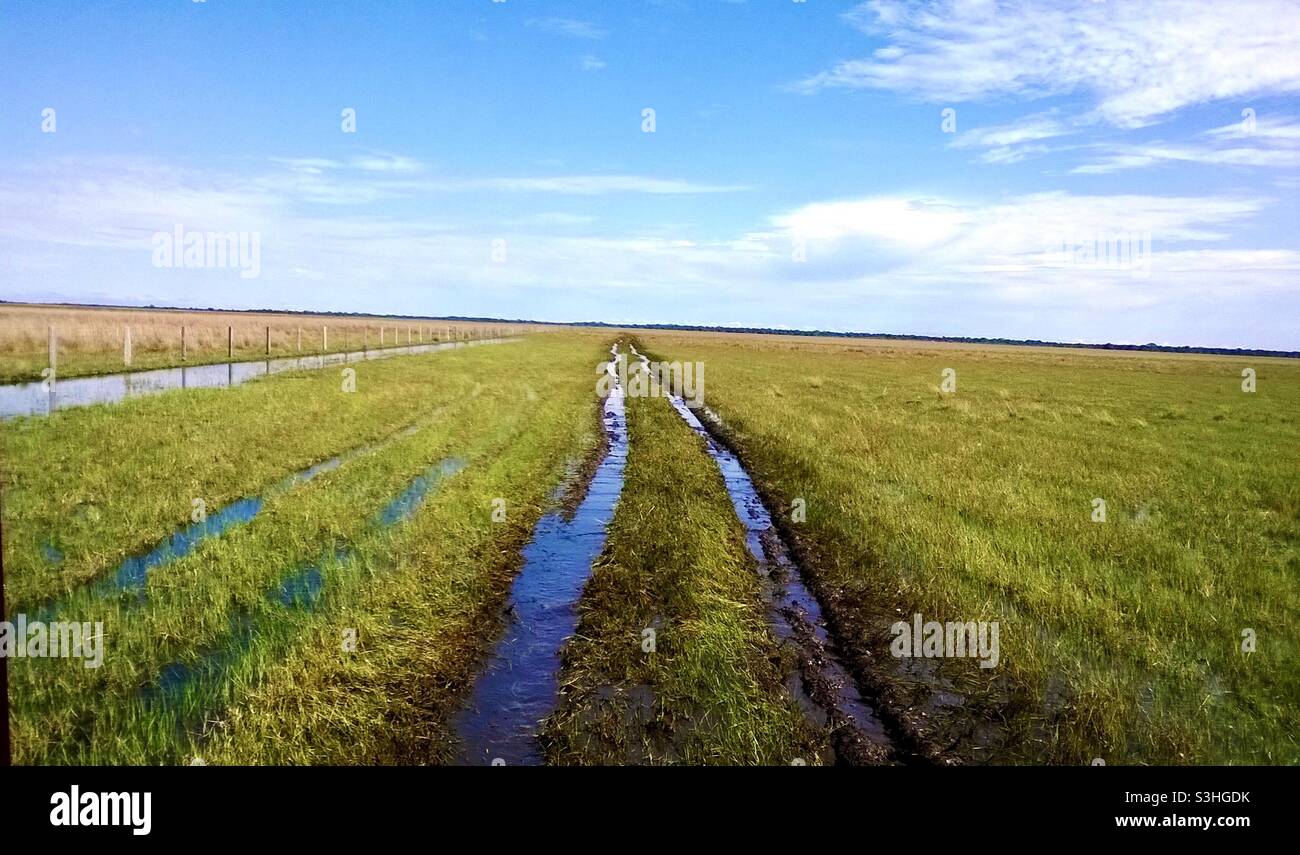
(126,346)
(230,342)
(184,346)
(324,338)
(54,351)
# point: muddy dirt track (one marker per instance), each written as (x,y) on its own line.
(517,687)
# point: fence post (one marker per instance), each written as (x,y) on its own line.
(300,339)
(324,338)
(184,348)
(126,346)
(268,341)
(54,351)
(230,342)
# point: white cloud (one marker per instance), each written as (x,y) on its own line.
(911,223)
(1019,229)
(367,179)
(1140,156)
(889,263)
(1274,142)
(1027,129)
(1013,142)
(591,63)
(588,185)
(569,28)
(1139,61)
(1270,128)
(386,163)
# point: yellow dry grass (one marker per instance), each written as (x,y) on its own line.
(91,340)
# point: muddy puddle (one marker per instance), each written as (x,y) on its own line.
(822,685)
(38,398)
(518,687)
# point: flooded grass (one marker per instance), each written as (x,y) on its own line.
(344,595)
(105,484)
(517,687)
(676,570)
(1120,640)
(402,585)
(821,681)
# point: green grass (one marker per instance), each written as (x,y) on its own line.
(1119,640)
(101,483)
(420,595)
(676,562)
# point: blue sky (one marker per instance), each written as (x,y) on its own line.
(800,172)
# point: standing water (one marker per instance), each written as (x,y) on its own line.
(519,686)
(132,573)
(40,398)
(827,692)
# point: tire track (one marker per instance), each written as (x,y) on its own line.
(518,687)
(823,684)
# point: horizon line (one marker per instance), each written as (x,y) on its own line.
(1150,347)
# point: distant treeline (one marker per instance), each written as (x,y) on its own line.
(1151,347)
(1160,348)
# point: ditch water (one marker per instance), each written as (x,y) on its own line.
(518,687)
(301,590)
(823,686)
(39,399)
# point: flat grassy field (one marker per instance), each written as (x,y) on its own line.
(235,651)
(289,572)
(92,340)
(1120,640)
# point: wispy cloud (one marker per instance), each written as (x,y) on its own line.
(1138,61)
(372,177)
(1282,129)
(591,62)
(1014,141)
(588,185)
(569,27)
(1270,142)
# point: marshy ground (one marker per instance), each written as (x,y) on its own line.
(347,616)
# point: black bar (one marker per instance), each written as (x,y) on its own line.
(619,808)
